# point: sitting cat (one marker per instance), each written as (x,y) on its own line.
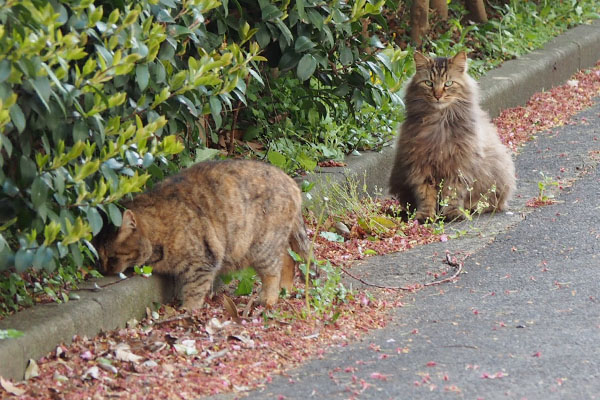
(208,219)
(448,146)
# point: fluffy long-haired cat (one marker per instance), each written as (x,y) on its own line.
(211,218)
(449,158)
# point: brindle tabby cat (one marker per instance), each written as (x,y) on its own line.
(210,218)
(447,142)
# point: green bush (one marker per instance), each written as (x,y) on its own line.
(327,67)
(93,100)
(100,98)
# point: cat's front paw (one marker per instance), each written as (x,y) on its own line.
(193,304)
(422,216)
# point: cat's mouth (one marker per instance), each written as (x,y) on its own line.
(440,104)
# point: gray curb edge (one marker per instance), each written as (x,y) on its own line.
(48,325)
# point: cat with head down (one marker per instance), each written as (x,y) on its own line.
(449,158)
(212,218)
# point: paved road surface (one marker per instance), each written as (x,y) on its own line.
(523,322)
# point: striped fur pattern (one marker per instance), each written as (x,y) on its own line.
(447,147)
(211,218)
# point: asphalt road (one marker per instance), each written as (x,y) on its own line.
(523,322)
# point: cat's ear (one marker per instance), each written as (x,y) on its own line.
(128,225)
(421,61)
(459,62)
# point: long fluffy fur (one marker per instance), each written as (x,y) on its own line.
(447,144)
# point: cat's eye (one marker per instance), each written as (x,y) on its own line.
(428,83)
(448,83)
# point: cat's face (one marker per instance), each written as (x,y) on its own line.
(124,248)
(440,81)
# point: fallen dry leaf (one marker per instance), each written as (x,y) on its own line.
(214,326)
(216,355)
(123,353)
(244,339)
(32,370)
(106,365)
(231,309)
(187,347)
(91,373)
(10,387)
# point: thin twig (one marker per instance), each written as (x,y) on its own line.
(250,306)
(234,123)
(233,126)
(450,261)
(451,278)
(289,303)
(376,285)
(98,288)
(175,318)
(280,354)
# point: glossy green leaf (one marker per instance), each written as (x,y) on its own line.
(4,70)
(315,18)
(147,160)
(306,67)
(43,258)
(23,259)
(270,11)
(3,243)
(215,110)
(39,192)
(27,169)
(300,4)
(205,154)
(94,219)
(346,56)
(277,159)
(17,117)
(115,214)
(42,87)
(303,44)
(246,278)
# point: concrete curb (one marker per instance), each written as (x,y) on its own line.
(48,325)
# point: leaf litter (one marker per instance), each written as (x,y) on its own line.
(197,355)
(169,356)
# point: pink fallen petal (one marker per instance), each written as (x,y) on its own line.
(379,376)
(497,375)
